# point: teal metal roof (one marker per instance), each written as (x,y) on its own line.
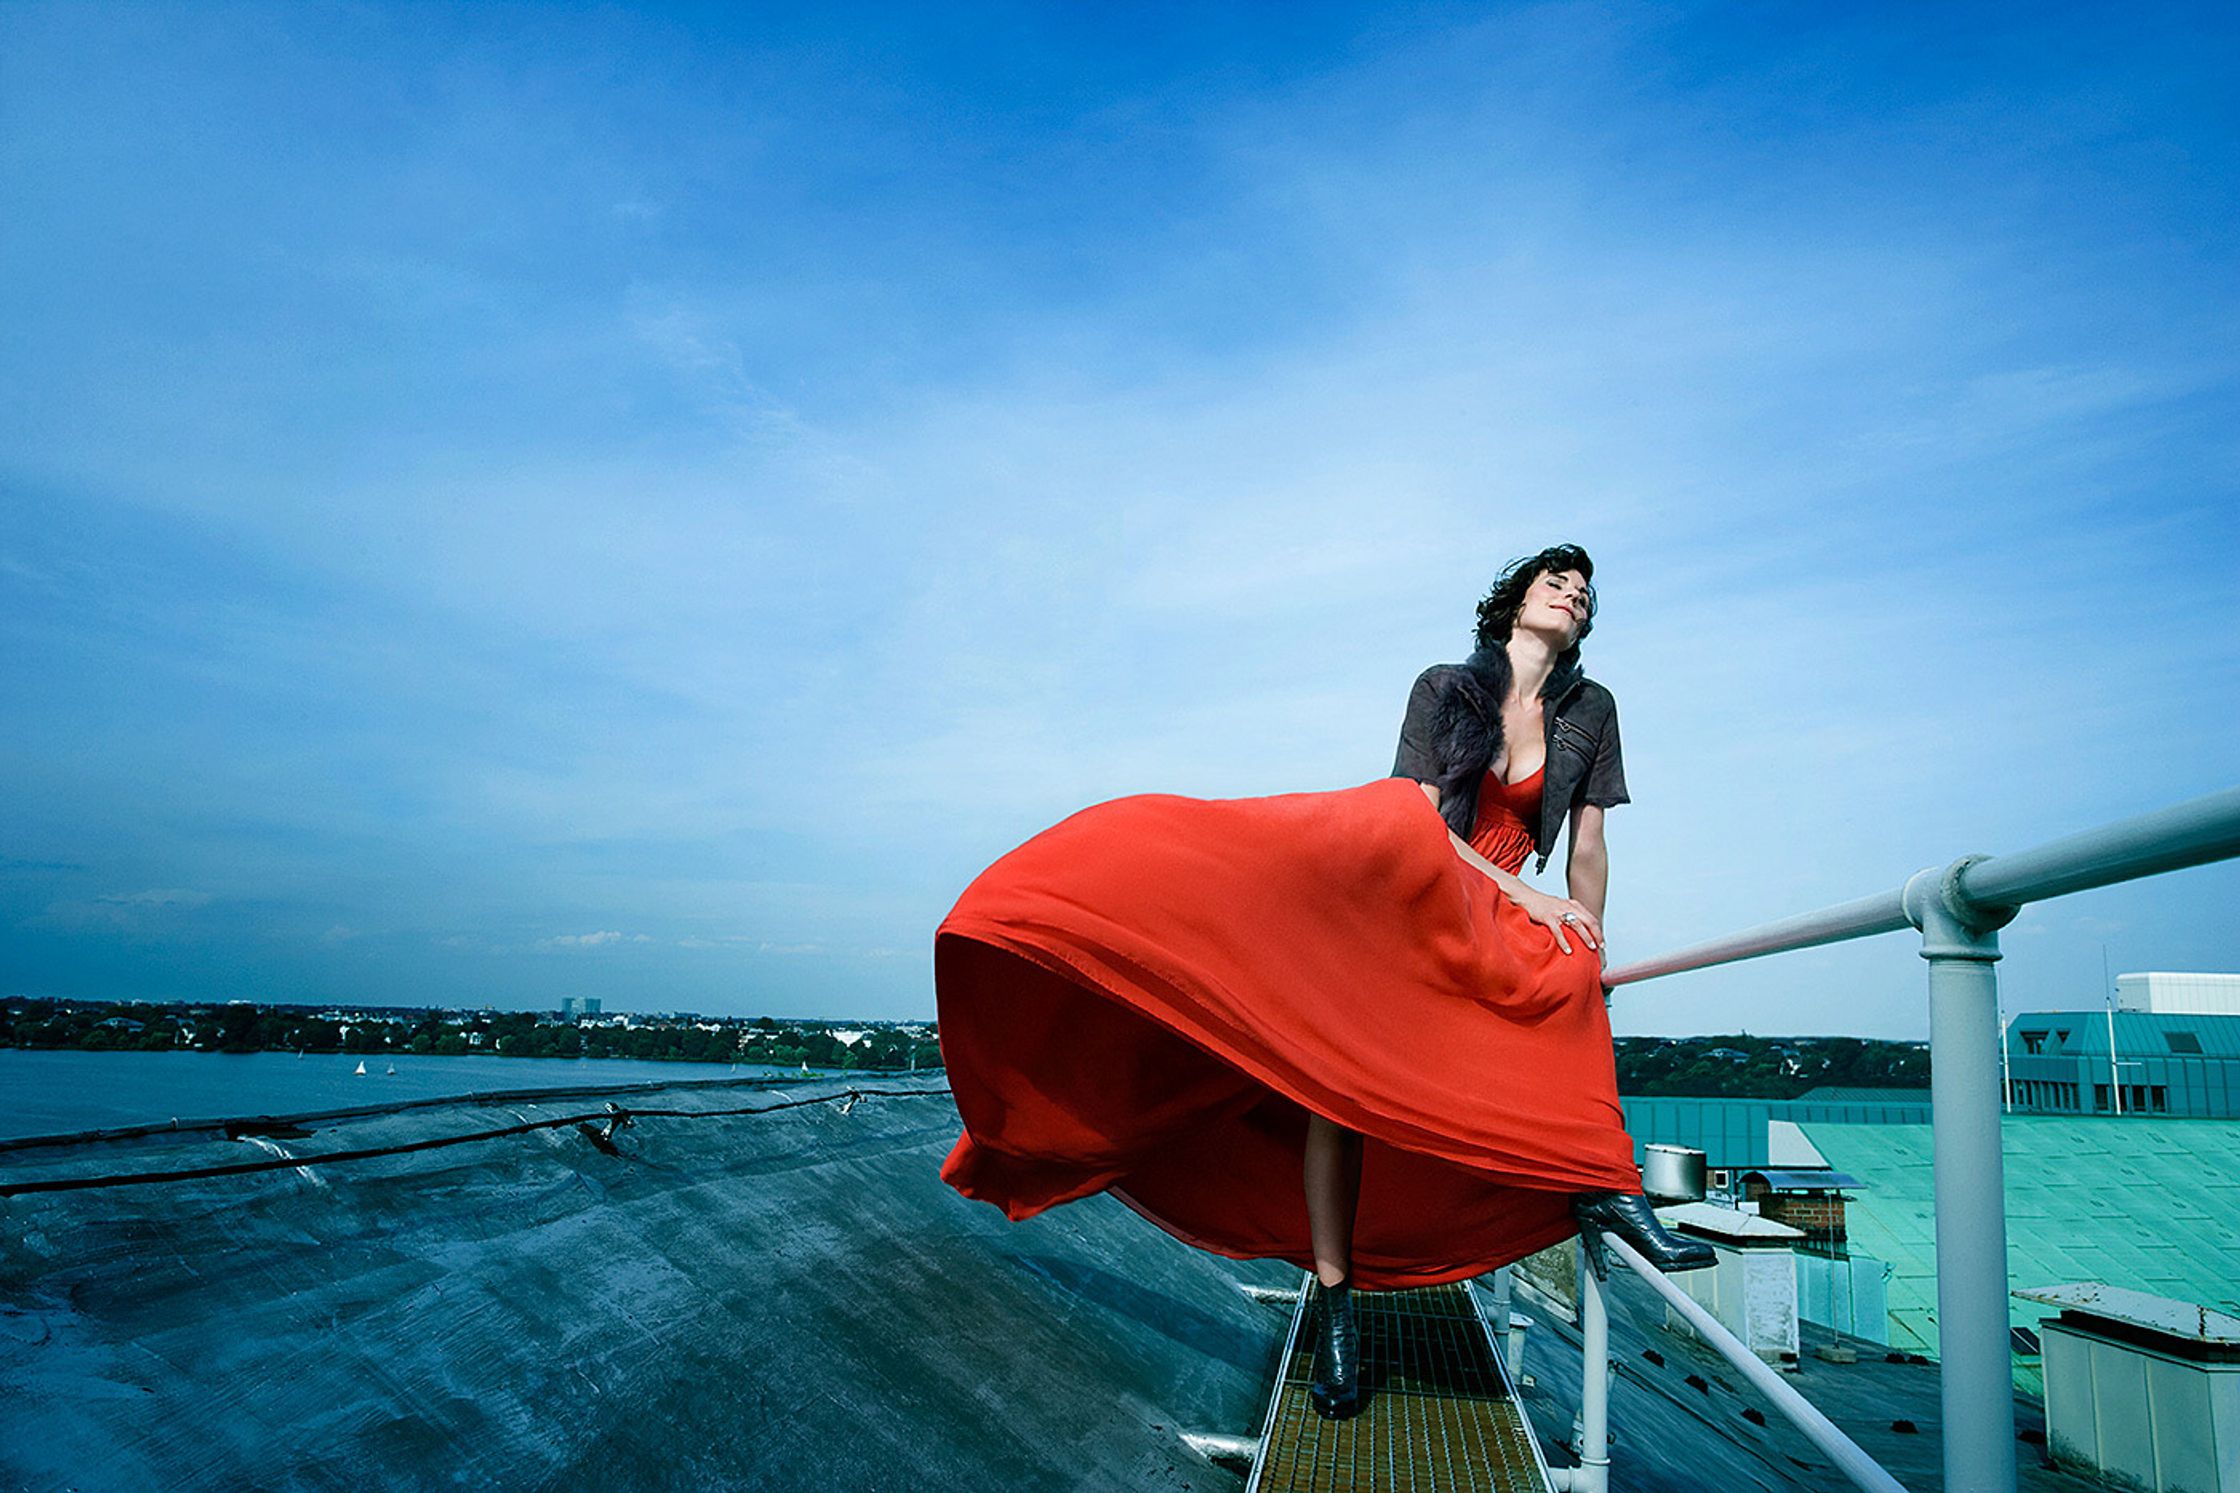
(2148,1204)
(2138,1033)
(1732,1132)
(1833,1093)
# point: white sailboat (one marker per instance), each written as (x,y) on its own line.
(361,1068)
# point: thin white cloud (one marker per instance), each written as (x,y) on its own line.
(156,897)
(155,913)
(743,571)
(591,940)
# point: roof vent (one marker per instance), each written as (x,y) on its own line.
(1673,1174)
(2141,1390)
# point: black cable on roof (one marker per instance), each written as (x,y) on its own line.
(614,1116)
(236,1126)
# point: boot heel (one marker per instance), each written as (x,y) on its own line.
(1598,1257)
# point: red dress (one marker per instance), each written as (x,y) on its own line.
(1150,995)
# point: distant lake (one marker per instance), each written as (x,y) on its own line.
(51,1093)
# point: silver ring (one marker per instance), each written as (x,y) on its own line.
(1571,917)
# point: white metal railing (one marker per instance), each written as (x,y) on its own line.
(1822,1432)
(2193,833)
(1592,1475)
(1959,909)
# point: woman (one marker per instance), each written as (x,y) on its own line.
(1199,1004)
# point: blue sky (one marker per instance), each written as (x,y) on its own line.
(513,502)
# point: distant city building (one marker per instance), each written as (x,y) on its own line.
(2179,994)
(573,1007)
(2161,1063)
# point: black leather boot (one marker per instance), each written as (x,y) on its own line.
(1629,1216)
(1336,1390)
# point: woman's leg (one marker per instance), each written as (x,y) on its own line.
(1333,1185)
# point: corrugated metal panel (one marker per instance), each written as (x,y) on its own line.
(1847,1294)
(1732,1132)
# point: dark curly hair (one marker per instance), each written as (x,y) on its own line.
(1497,614)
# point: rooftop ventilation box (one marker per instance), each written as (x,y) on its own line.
(2141,1390)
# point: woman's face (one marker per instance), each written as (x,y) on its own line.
(1555,605)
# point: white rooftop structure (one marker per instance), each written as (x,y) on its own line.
(2186,1321)
(1752,1290)
(1728,1225)
(2141,1390)
(2179,994)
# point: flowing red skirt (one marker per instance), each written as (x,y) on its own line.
(1148,997)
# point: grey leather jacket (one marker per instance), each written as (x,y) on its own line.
(1584,765)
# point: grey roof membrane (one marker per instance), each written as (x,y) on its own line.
(1681,1416)
(789,1300)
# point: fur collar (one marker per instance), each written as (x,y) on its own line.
(1466,729)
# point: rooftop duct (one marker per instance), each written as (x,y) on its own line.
(2141,1390)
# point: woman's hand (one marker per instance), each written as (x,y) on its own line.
(1561,915)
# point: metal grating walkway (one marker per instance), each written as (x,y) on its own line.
(1440,1415)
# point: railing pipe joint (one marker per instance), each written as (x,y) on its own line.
(1952,925)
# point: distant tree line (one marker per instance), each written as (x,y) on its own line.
(1728,1066)
(123,1026)
(1738,1066)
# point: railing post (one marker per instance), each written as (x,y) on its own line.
(1593,1475)
(1509,1324)
(1961,943)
